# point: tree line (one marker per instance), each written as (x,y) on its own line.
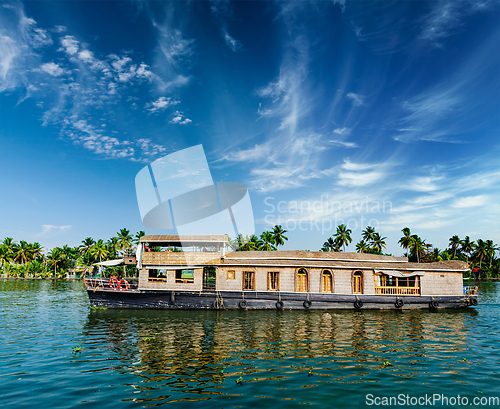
(25,259)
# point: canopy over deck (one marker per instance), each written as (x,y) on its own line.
(111,263)
(185,241)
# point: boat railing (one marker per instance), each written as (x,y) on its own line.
(381,290)
(112,283)
(470,289)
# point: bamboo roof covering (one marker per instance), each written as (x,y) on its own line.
(353,261)
(183,241)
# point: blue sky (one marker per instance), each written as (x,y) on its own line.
(382,113)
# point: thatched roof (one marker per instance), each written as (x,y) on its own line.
(360,261)
(184,241)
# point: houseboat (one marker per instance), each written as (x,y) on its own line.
(206,275)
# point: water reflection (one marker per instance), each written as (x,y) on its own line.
(203,352)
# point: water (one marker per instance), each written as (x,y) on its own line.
(194,358)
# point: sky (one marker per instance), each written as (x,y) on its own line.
(360,112)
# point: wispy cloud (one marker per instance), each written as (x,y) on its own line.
(161,104)
(48,229)
(357,100)
(471,201)
(73,83)
(179,119)
(223,13)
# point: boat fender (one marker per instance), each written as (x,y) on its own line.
(358,304)
(307,304)
(114,284)
(473,301)
(433,305)
(242,304)
(172,297)
(279,305)
(124,284)
(399,303)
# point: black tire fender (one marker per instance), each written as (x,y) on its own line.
(242,305)
(473,301)
(358,304)
(433,305)
(279,305)
(399,303)
(307,304)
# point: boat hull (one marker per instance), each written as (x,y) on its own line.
(232,300)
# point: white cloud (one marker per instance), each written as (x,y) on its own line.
(344,144)
(232,43)
(161,104)
(49,228)
(179,119)
(52,68)
(69,45)
(342,131)
(470,201)
(424,183)
(357,100)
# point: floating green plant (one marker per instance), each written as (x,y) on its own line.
(386,364)
(465,360)
(310,372)
(98,308)
(239,381)
(77,349)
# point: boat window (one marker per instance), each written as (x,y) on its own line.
(326,282)
(302,283)
(389,285)
(230,275)
(184,276)
(157,275)
(209,278)
(273,281)
(248,280)
(358,283)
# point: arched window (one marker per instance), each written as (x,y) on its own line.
(302,283)
(357,283)
(326,281)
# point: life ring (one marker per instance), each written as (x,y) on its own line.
(279,305)
(358,304)
(242,304)
(473,301)
(433,305)
(399,303)
(114,284)
(307,304)
(124,284)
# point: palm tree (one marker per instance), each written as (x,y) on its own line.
(100,250)
(343,236)
(36,251)
(330,245)
(55,257)
(6,256)
(267,239)
(454,243)
(279,235)
(406,240)
(124,241)
(138,236)
(367,234)
(21,252)
(361,247)
(113,246)
(481,251)
(86,246)
(378,243)
(468,247)
(417,246)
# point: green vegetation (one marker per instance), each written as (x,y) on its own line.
(268,241)
(27,260)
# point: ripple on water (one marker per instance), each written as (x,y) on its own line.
(233,358)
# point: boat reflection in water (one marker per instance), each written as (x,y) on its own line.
(192,355)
